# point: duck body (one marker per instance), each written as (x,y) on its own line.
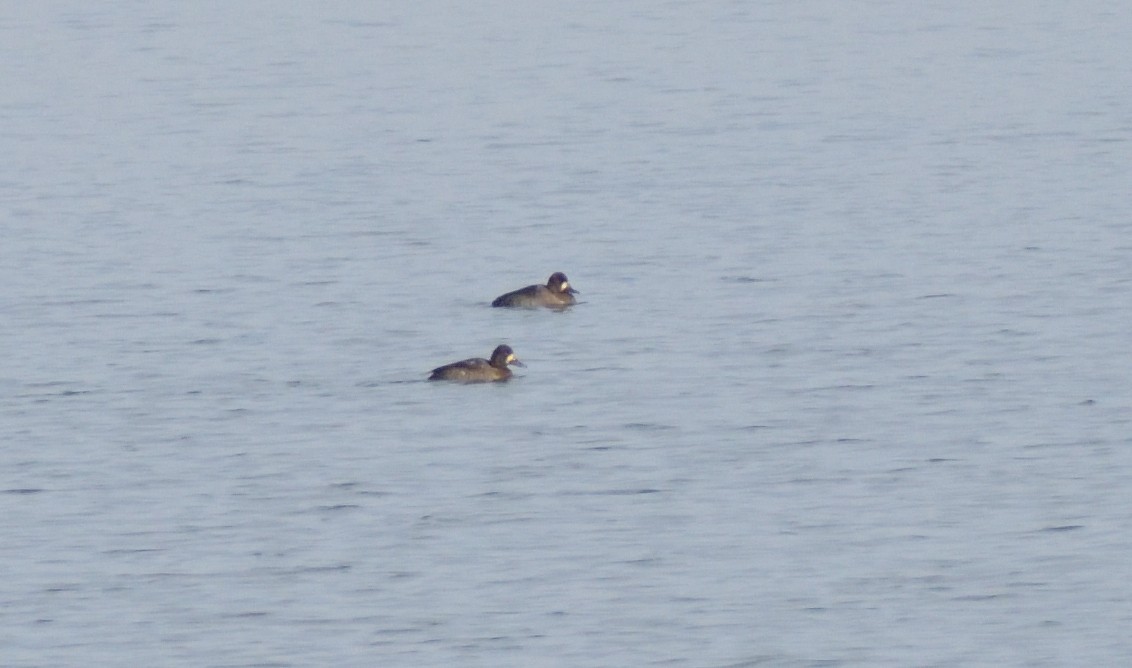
(556,294)
(479,370)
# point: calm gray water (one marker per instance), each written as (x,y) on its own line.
(849,385)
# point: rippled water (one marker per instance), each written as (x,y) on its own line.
(848,385)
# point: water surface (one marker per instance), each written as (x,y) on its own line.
(848,385)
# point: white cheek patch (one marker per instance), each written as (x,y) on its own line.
(565,286)
(510,359)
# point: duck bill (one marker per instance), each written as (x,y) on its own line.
(516,362)
(572,291)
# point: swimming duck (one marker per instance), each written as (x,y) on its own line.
(479,370)
(557,293)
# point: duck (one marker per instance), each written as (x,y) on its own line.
(479,370)
(556,294)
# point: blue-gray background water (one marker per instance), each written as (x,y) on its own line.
(849,384)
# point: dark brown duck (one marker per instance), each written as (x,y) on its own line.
(557,293)
(479,370)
